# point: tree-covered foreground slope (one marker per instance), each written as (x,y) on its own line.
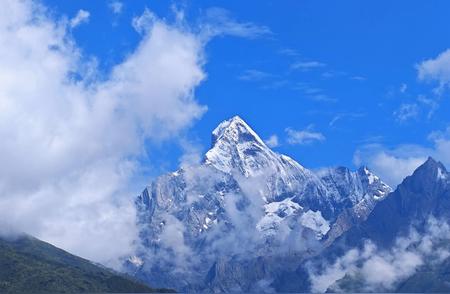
(30,265)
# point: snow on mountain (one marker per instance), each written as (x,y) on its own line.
(314,221)
(407,235)
(244,200)
(275,213)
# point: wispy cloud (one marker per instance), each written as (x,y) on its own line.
(218,21)
(358,78)
(313,93)
(430,104)
(144,22)
(406,112)
(322,98)
(289,52)
(116,7)
(345,116)
(275,84)
(303,137)
(334,74)
(403,88)
(307,65)
(81,17)
(254,75)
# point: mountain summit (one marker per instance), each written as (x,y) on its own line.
(245,201)
(423,194)
(236,147)
(235,130)
(412,223)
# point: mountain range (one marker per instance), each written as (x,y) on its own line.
(249,219)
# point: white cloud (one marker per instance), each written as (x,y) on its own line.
(72,147)
(254,75)
(381,270)
(273,141)
(403,88)
(116,7)
(436,69)
(144,22)
(391,165)
(432,104)
(394,164)
(218,21)
(288,52)
(345,116)
(441,141)
(192,153)
(406,112)
(303,137)
(81,17)
(358,78)
(307,65)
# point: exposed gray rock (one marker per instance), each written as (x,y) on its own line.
(244,215)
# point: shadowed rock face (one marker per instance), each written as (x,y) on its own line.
(245,207)
(426,192)
(421,197)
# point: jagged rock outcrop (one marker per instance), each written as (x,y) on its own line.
(245,204)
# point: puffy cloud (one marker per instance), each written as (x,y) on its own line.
(436,69)
(391,165)
(72,142)
(81,17)
(394,164)
(273,141)
(303,137)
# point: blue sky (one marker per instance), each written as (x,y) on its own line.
(346,70)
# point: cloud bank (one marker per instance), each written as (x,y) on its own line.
(374,269)
(72,141)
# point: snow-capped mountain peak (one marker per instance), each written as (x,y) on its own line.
(235,130)
(236,147)
(429,171)
(245,191)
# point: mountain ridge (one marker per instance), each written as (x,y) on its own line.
(414,219)
(243,187)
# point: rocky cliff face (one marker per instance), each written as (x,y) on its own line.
(404,245)
(245,210)
(423,194)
